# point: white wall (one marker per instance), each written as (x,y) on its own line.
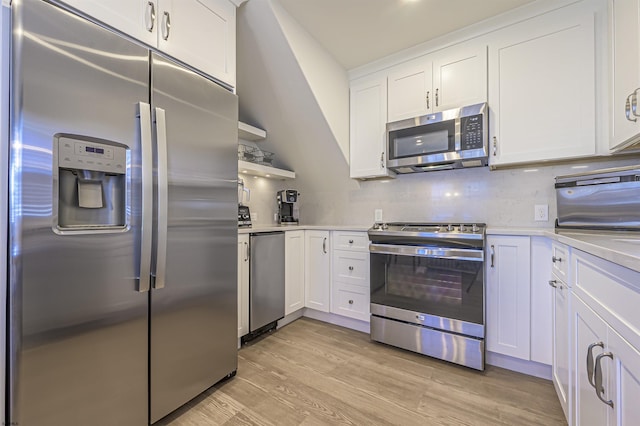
(327,79)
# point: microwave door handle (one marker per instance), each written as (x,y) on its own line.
(146,168)
(163,201)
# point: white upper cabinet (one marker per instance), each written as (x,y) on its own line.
(368,115)
(460,77)
(453,78)
(137,18)
(200,33)
(410,92)
(542,89)
(625,51)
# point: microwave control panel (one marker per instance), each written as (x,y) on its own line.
(472,132)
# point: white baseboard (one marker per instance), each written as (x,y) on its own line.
(530,368)
(346,322)
(290,318)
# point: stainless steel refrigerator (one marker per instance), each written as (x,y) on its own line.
(122,226)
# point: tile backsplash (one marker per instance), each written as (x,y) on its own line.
(500,198)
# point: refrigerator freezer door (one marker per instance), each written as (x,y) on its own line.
(78,326)
(266,279)
(194,316)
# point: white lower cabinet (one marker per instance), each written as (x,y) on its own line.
(317,270)
(508,292)
(591,341)
(561,357)
(606,318)
(293,271)
(243,284)
(350,277)
(350,301)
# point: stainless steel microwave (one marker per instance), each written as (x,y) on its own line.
(450,139)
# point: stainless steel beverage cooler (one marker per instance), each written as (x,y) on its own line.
(607,199)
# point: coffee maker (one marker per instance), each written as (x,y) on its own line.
(288,212)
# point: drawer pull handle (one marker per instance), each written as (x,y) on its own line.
(598,378)
(590,361)
(351,301)
(351,268)
(350,241)
(553,283)
(556,259)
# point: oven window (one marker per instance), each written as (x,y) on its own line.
(422,140)
(444,287)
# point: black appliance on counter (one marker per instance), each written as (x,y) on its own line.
(427,289)
(244,217)
(288,211)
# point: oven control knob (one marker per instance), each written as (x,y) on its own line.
(462,228)
(475,228)
(384,226)
(450,228)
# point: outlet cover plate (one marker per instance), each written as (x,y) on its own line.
(541,213)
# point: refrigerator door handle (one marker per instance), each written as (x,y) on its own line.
(146,167)
(163,202)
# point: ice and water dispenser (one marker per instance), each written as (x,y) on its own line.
(92,184)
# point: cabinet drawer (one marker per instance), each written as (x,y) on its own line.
(612,291)
(351,267)
(350,301)
(560,261)
(358,241)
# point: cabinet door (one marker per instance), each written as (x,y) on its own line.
(243,285)
(294,271)
(201,33)
(561,339)
(460,78)
(368,109)
(508,295)
(591,340)
(626,368)
(132,17)
(541,89)
(625,50)
(317,270)
(409,91)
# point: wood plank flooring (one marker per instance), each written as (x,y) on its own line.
(313,373)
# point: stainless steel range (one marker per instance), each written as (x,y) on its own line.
(427,289)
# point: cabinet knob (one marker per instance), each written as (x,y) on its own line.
(351,301)
(350,241)
(351,268)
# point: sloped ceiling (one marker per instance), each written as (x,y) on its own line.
(275,94)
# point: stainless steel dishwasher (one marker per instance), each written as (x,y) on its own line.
(266,282)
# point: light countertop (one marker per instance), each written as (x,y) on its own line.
(622,248)
(274,228)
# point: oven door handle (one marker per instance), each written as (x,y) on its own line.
(435,252)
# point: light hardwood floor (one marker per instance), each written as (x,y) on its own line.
(312,373)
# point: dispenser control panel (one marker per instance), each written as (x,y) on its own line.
(89,155)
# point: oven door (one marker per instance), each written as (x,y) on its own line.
(433,286)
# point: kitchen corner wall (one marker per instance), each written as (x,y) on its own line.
(275,94)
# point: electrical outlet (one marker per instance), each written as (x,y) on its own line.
(541,213)
(377,213)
